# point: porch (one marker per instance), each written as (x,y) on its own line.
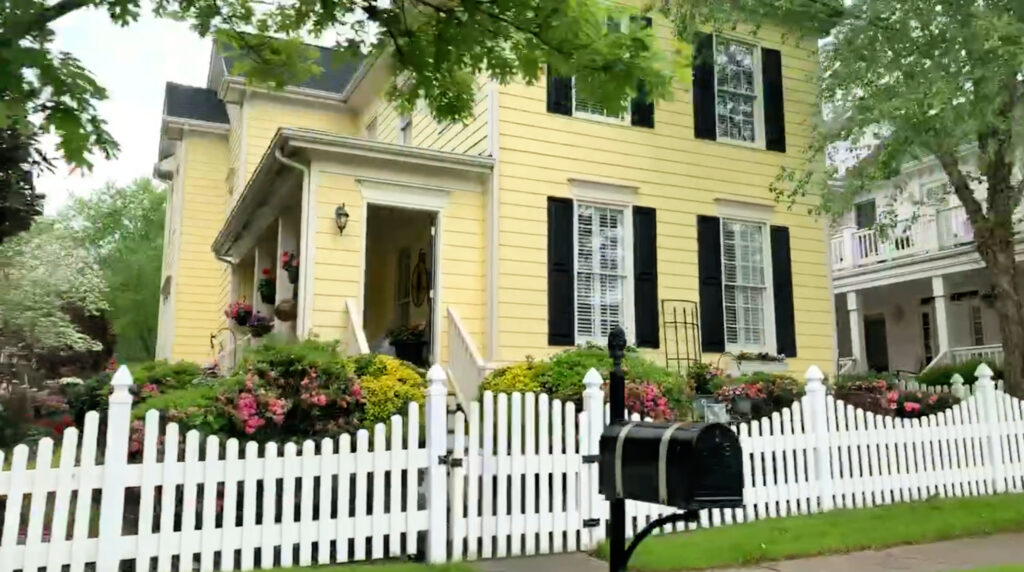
(917,324)
(933,231)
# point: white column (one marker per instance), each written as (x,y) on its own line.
(854,303)
(287,240)
(436,417)
(265,257)
(849,251)
(115,465)
(941,313)
(985,391)
(818,412)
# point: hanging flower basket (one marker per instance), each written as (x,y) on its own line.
(260,325)
(267,287)
(290,264)
(286,311)
(239,312)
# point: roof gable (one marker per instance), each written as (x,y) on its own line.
(196,103)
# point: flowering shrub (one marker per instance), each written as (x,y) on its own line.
(704,378)
(768,392)
(521,377)
(648,400)
(387,385)
(913,404)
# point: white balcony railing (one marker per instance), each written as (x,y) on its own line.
(945,228)
(992,354)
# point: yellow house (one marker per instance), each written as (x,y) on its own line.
(538,224)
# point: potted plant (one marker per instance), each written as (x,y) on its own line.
(267,287)
(290,264)
(260,325)
(239,311)
(408,341)
(286,310)
(705,380)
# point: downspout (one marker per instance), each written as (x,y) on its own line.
(305,231)
(493,214)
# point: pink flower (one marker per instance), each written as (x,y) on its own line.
(933,399)
(357,392)
(894,396)
(150,389)
(892,405)
(911,407)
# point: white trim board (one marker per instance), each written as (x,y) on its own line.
(402,194)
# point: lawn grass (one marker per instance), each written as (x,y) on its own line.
(834,532)
(384,567)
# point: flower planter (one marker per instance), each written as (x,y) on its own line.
(258,331)
(742,406)
(754,366)
(268,296)
(411,352)
(242,317)
(700,402)
(293,274)
(286,311)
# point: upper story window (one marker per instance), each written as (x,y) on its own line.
(865,214)
(563,99)
(405,130)
(737,92)
(933,193)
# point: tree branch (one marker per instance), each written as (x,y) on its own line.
(962,187)
(41,19)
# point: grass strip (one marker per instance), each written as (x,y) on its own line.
(835,532)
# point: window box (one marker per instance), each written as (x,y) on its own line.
(747,367)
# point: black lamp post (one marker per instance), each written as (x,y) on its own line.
(617,403)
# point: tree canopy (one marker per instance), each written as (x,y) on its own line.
(123,230)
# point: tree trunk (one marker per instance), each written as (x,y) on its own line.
(997,250)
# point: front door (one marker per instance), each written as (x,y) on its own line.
(875,343)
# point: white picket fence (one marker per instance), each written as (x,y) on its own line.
(521,479)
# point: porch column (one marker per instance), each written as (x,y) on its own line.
(849,252)
(941,313)
(854,305)
(287,241)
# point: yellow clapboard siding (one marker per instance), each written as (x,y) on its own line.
(199,283)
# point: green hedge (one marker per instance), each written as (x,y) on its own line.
(941,375)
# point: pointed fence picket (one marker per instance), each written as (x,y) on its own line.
(520,479)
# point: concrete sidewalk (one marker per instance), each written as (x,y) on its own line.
(963,554)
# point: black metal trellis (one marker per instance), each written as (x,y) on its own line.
(681,324)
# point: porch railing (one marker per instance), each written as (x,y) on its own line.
(992,353)
(355,338)
(931,232)
(466,368)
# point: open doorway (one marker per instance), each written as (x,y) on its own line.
(876,343)
(398,301)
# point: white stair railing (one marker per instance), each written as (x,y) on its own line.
(466,368)
(355,338)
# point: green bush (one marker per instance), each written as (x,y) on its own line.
(561,376)
(166,375)
(388,386)
(521,377)
(193,407)
(941,375)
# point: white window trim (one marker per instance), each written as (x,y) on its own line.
(757,214)
(628,314)
(759,140)
(922,196)
(624,119)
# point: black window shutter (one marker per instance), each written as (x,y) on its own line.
(642,106)
(645,276)
(561,280)
(782,282)
(704,122)
(774,112)
(709,269)
(559,94)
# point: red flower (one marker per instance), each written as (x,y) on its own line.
(265,271)
(911,407)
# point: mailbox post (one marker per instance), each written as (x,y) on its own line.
(689,466)
(617,404)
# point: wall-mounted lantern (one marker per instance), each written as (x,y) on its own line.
(341,218)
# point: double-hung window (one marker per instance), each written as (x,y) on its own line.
(745,285)
(737,84)
(601,271)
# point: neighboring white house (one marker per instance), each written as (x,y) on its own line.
(916,295)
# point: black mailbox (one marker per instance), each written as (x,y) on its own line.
(688,466)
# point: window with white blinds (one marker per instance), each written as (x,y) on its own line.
(600,271)
(745,284)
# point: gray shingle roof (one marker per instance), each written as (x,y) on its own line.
(338,69)
(188,102)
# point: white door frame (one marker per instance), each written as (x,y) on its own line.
(384,197)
